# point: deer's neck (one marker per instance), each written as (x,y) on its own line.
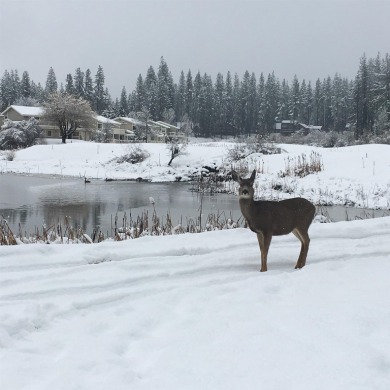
(246,206)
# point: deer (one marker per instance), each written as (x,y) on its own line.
(275,218)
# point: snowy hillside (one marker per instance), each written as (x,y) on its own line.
(193,312)
(357,176)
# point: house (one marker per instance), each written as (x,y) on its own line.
(288,127)
(24,113)
(50,129)
(128,129)
(166,132)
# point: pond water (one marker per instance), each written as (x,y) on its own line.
(33,201)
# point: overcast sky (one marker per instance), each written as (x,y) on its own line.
(309,38)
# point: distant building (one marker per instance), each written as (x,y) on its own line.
(288,127)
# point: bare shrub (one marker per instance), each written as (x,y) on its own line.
(135,154)
(302,166)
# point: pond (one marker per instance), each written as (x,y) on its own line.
(32,201)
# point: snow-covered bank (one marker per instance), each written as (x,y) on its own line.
(357,175)
(193,312)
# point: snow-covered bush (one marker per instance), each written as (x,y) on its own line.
(15,135)
(134,154)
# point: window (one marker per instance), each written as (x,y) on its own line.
(49,133)
(100,125)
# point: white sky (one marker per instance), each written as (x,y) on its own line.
(309,38)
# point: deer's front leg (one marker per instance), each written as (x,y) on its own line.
(264,243)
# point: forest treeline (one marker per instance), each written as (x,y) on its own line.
(228,105)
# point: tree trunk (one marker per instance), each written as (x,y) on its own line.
(63,137)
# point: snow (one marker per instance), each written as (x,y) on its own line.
(103,119)
(357,175)
(26,111)
(193,312)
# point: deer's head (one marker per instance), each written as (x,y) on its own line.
(246,190)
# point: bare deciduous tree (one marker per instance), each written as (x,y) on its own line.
(69,113)
(176,148)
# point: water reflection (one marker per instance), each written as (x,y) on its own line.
(49,200)
(34,201)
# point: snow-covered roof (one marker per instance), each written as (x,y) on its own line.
(167,125)
(103,119)
(130,120)
(25,110)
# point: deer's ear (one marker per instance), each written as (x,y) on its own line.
(235,176)
(253,176)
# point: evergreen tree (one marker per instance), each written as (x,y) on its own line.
(283,112)
(37,92)
(196,103)
(166,90)
(295,100)
(382,92)
(206,122)
(189,94)
(139,96)
(51,82)
(150,91)
(69,87)
(219,105)
(271,97)
(318,99)
(123,105)
(229,127)
(88,88)
(180,100)
(99,91)
(79,83)
(261,105)
(361,99)
(25,85)
(6,89)
(236,122)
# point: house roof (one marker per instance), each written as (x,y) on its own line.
(103,119)
(164,124)
(25,110)
(129,120)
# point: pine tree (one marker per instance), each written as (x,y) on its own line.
(261,105)
(180,100)
(99,91)
(88,88)
(25,85)
(219,105)
(69,87)
(123,105)
(51,82)
(196,102)
(79,83)
(166,90)
(295,100)
(189,94)
(150,90)
(139,96)
(229,127)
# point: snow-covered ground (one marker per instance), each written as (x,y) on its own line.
(358,175)
(193,312)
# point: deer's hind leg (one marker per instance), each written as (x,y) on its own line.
(303,237)
(264,243)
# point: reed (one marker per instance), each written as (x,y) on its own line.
(123,227)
